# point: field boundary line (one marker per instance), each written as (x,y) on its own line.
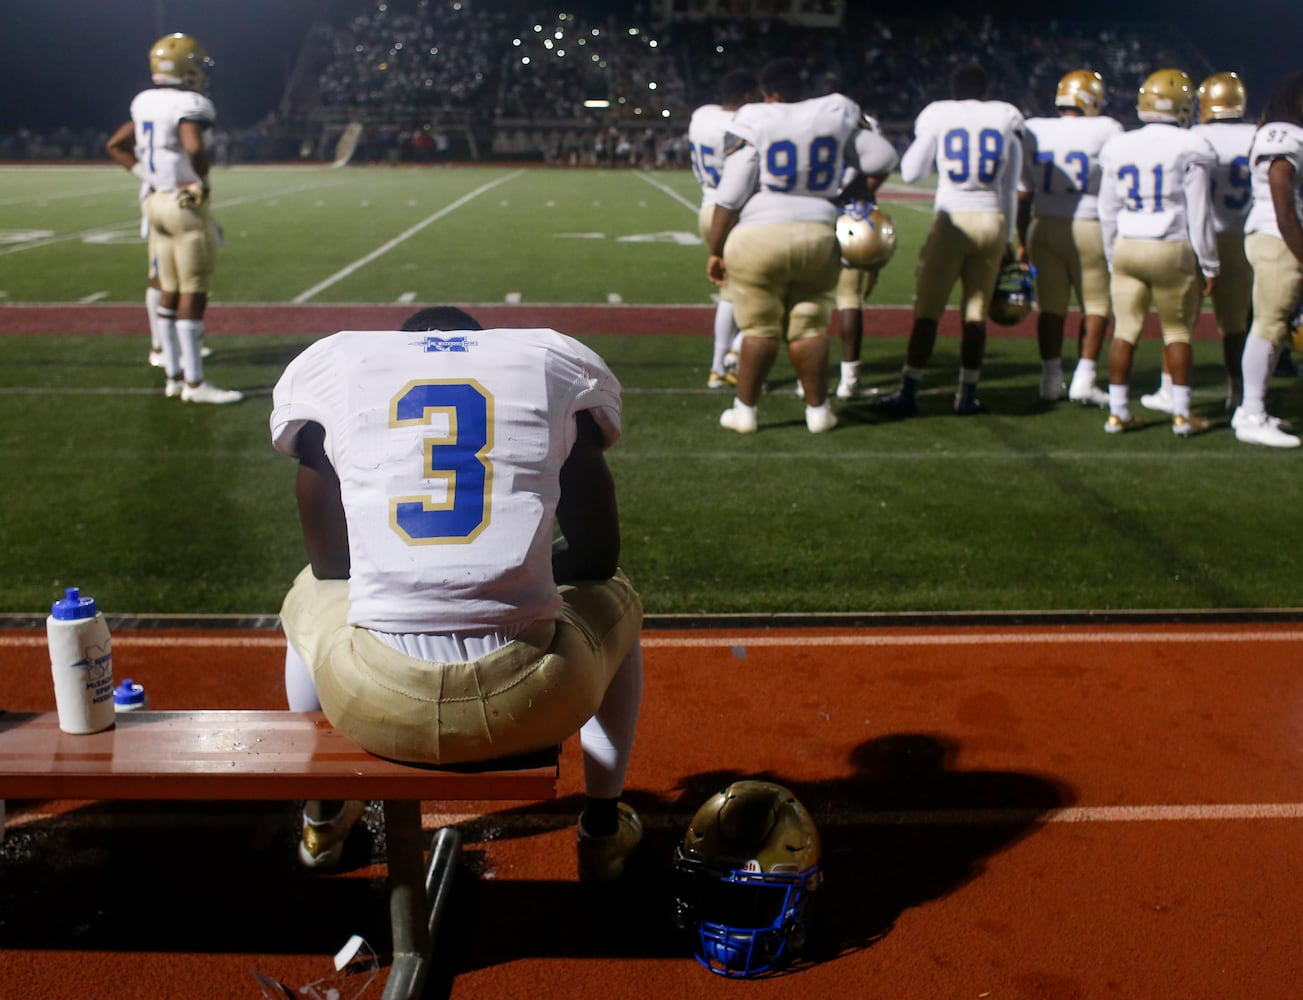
(402,237)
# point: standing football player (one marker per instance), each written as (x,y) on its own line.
(1274,245)
(773,237)
(706,131)
(1221,101)
(975,147)
(1156,216)
(163,144)
(1058,228)
(855,284)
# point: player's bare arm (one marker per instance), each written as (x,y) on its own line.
(1281,176)
(321,507)
(587,512)
(122,145)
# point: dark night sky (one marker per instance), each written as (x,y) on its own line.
(79,62)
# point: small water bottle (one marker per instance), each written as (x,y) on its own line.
(81,659)
(129,697)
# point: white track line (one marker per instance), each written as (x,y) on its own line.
(402,237)
(725,641)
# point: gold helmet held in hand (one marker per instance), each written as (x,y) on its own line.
(180,61)
(1082,89)
(1221,98)
(1167,95)
(867,238)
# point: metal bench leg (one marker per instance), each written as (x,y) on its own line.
(417,898)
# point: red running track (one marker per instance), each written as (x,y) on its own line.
(1060,813)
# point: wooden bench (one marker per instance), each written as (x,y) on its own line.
(275,756)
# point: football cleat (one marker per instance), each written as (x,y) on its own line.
(1159,401)
(1052,388)
(720,381)
(178,60)
(1015,293)
(1221,98)
(899,404)
(866,235)
(173,387)
(1086,394)
(1117,425)
(602,859)
(1184,427)
(1260,428)
(206,392)
(742,421)
(820,418)
(1082,89)
(321,844)
(1167,95)
(967,405)
(155,358)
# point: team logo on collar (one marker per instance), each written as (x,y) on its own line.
(460,344)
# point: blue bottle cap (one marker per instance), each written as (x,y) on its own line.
(73,606)
(129,693)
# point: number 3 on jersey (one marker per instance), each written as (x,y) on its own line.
(459,458)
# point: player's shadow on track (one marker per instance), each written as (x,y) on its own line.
(904,827)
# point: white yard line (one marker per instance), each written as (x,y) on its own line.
(401,238)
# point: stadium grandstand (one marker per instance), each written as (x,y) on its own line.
(461,80)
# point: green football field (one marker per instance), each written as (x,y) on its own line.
(161,508)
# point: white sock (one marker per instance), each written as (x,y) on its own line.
(850,371)
(1052,369)
(153,296)
(167,342)
(1165,383)
(1256,364)
(1119,401)
(300,689)
(1180,400)
(970,376)
(724,330)
(607,738)
(190,334)
(736,346)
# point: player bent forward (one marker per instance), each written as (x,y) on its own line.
(437,621)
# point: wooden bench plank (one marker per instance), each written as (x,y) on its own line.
(237,755)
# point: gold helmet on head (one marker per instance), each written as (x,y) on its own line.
(1082,89)
(1221,97)
(180,61)
(1167,95)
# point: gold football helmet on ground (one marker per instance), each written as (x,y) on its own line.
(1167,95)
(1082,89)
(179,60)
(867,238)
(1221,97)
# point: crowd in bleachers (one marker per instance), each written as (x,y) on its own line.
(520,76)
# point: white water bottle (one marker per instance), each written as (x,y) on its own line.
(81,659)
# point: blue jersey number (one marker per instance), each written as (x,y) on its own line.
(1080,183)
(1241,181)
(707,176)
(783,162)
(459,458)
(957,147)
(148,129)
(1137,198)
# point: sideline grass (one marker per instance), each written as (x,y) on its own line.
(156,507)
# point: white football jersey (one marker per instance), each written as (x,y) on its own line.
(1273,141)
(158,114)
(1154,184)
(795,156)
(448,447)
(1232,185)
(706,130)
(1062,163)
(975,147)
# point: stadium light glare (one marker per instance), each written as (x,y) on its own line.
(524,61)
(596,103)
(665,112)
(652,85)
